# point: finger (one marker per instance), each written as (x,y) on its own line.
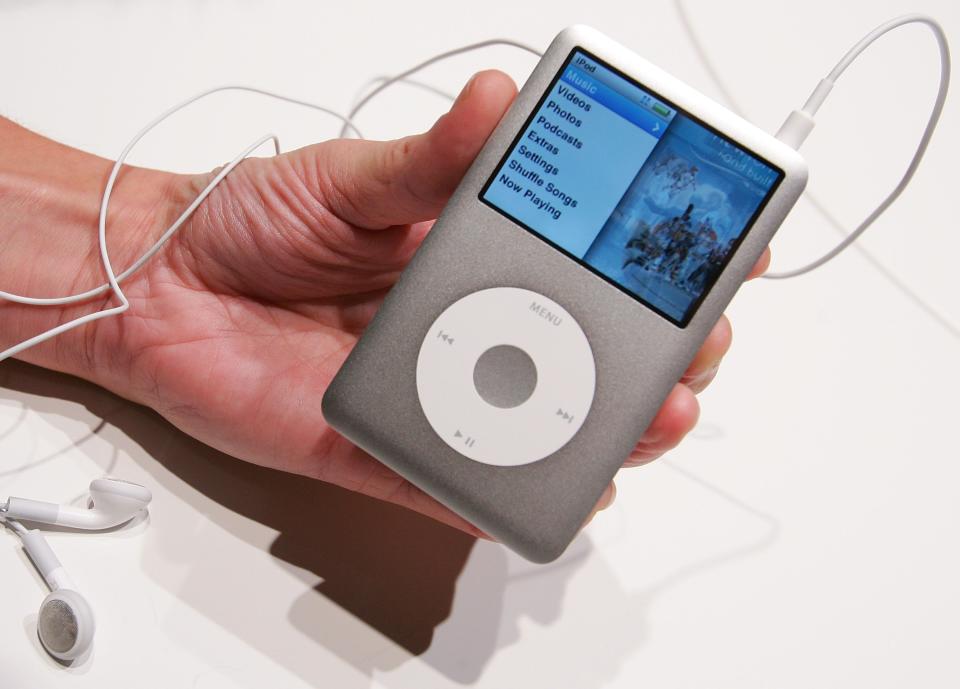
(706,362)
(676,418)
(702,382)
(377,184)
(606,499)
(346,465)
(760,267)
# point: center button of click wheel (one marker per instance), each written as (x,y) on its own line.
(505,376)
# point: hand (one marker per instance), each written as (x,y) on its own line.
(237,327)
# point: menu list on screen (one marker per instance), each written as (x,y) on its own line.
(644,195)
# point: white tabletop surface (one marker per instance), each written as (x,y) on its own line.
(806,535)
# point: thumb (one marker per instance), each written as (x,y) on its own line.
(377,184)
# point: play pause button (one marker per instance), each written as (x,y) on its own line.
(465,439)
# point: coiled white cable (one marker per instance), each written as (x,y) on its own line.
(794,131)
(800,122)
(403,76)
(113,279)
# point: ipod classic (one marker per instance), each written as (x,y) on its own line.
(567,285)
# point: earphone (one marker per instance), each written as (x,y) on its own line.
(65,623)
(114,502)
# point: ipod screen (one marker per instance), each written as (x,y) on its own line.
(641,193)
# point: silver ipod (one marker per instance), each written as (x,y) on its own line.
(572,277)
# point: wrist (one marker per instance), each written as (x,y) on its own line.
(49,207)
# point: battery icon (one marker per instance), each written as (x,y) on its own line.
(660,110)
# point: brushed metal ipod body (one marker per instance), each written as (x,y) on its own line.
(509,373)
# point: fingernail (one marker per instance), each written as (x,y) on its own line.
(467,87)
(613,496)
(706,373)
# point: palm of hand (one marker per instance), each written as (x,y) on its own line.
(236,330)
(239,357)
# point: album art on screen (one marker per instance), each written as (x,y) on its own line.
(671,234)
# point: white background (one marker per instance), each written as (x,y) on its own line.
(805,535)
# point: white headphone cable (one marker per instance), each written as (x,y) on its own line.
(403,76)
(794,131)
(12,524)
(114,280)
(800,122)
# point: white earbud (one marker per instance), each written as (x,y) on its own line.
(113,503)
(65,623)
